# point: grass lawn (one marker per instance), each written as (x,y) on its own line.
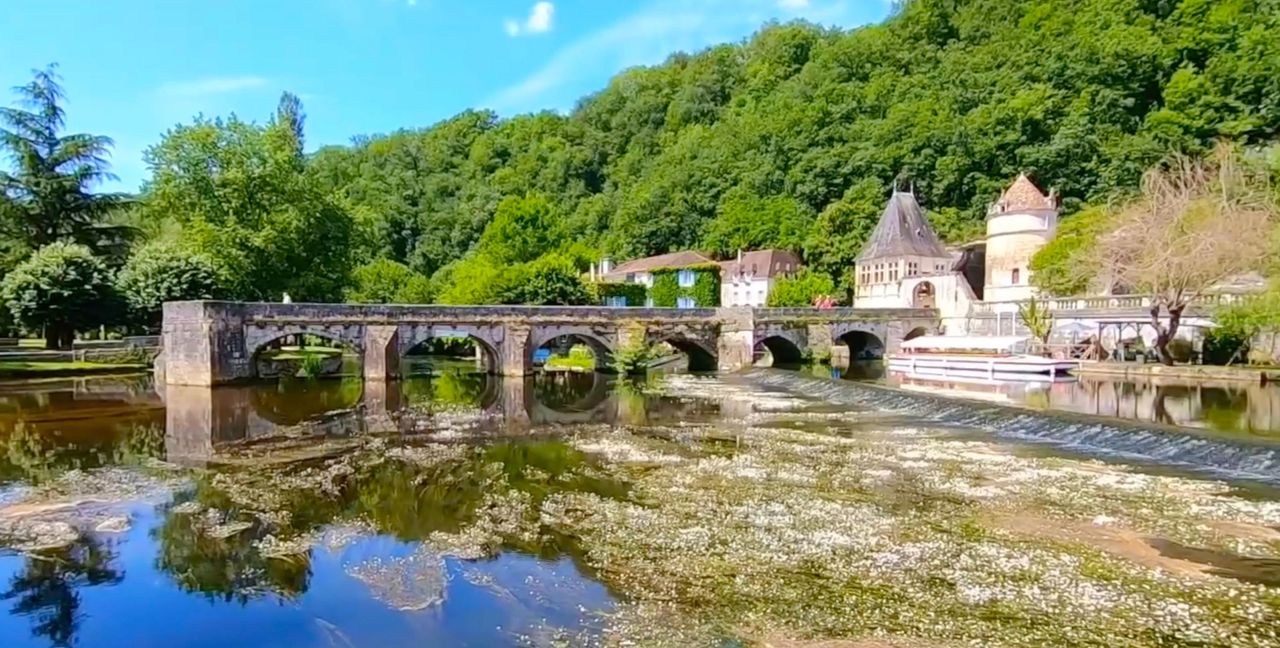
(579,358)
(27,368)
(295,353)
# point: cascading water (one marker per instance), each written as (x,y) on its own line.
(1091,435)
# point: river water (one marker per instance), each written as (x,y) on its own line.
(771,508)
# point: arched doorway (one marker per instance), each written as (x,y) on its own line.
(914,333)
(924,295)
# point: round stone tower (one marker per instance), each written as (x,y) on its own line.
(1018,225)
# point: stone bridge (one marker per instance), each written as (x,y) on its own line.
(213,342)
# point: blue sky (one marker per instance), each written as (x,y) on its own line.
(133,68)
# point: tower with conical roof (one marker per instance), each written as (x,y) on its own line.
(1021,222)
(903,245)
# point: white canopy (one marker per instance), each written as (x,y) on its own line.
(966,343)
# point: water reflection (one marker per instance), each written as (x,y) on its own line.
(47,588)
(1236,408)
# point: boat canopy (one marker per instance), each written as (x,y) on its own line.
(967,344)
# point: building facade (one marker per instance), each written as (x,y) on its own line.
(748,279)
(904,264)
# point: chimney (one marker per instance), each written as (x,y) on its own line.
(606,266)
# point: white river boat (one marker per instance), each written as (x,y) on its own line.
(991,357)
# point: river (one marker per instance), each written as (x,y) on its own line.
(767,508)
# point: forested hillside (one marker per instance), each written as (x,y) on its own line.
(794,137)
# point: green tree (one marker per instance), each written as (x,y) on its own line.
(837,235)
(48,192)
(242,197)
(552,280)
(387,282)
(62,287)
(1062,266)
(800,290)
(159,272)
(748,222)
(522,230)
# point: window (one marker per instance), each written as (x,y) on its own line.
(616,301)
(1016,277)
(913,268)
(631,277)
(685,278)
(686,302)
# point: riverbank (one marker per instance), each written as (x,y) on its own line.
(62,369)
(1137,371)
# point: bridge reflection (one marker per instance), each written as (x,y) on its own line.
(200,421)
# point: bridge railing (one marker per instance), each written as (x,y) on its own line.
(1115,302)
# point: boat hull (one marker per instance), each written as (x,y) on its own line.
(970,365)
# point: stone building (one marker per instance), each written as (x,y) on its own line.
(902,248)
(748,279)
(903,264)
(1021,222)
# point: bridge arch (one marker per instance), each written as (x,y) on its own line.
(262,343)
(699,352)
(785,347)
(416,337)
(863,344)
(601,344)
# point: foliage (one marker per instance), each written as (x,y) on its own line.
(635,293)
(1062,266)
(956,97)
(579,358)
(549,281)
(522,230)
(635,354)
(705,291)
(61,288)
(388,282)
(161,272)
(840,230)
(749,222)
(1196,223)
(800,290)
(1034,314)
(47,196)
(243,196)
(1223,346)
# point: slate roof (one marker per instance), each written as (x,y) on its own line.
(680,259)
(903,230)
(1022,195)
(761,263)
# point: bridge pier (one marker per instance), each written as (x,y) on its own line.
(515,358)
(381,352)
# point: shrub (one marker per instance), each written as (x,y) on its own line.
(159,273)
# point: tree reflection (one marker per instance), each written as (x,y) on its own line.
(410,494)
(35,456)
(230,568)
(47,587)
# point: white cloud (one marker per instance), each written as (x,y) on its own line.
(658,29)
(211,86)
(539,21)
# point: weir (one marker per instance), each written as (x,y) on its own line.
(210,343)
(1090,435)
